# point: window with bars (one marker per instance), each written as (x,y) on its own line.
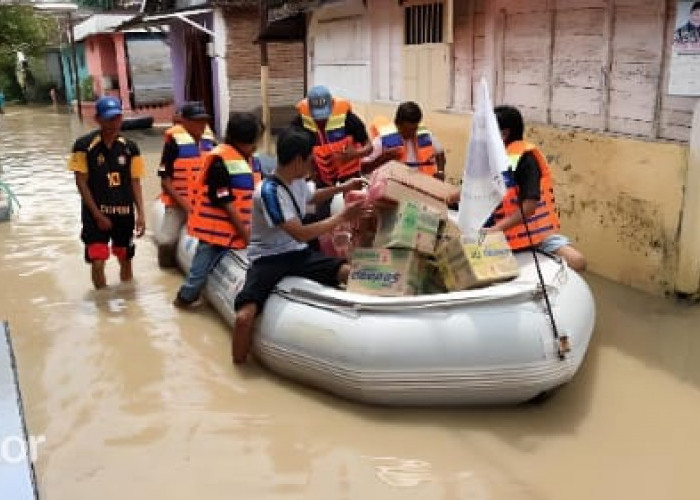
(424,23)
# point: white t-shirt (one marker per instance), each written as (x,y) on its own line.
(378,149)
(273,206)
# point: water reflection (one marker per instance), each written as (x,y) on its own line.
(139,400)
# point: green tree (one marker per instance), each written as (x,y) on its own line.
(21,28)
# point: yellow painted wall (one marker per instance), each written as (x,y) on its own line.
(620,199)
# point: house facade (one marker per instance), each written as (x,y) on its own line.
(216,57)
(132,65)
(591,78)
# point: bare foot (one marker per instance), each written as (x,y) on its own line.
(243,333)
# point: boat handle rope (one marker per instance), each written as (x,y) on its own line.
(10,195)
(560,340)
(351,308)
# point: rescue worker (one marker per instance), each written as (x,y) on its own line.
(279,243)
(108,170)
(406,140)
(223,200)
(530,186)
(186,143)
(339,140)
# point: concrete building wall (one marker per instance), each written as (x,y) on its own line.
(178,56)
(286,80)
(106,63)
(591,79)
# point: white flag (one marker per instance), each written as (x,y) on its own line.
(483,186)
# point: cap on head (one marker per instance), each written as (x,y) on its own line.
(108,107)
(194,110)
(320,102)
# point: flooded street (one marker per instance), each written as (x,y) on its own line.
(138,400)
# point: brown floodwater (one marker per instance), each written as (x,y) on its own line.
(139,400)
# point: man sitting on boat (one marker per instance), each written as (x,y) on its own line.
(529,195)
(406,140)
(222,202)
(278,243)
(339,140)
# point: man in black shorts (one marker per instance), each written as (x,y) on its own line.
(108,170)
(278,241)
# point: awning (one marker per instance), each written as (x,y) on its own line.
(145,20)
(99,23)
(278,10)
(286,19)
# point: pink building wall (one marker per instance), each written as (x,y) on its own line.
(105,55)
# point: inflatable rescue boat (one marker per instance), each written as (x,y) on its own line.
(493,345)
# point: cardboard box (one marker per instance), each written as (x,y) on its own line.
(411,225)
(418,181)
(394,192)
(432,281)
(449,229)
(464,264)
(386,272)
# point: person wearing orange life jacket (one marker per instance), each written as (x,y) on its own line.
(186,143)
(335,132)
(223,201)
(529,184)
(407,141)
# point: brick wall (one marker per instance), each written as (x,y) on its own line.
(286,85)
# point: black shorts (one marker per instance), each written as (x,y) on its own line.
(121,236)
(265,272)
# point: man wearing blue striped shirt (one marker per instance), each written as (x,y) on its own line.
(278,240)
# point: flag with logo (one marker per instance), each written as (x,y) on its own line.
(483,186)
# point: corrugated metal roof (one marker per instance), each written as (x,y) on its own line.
(100,23)
(277,10)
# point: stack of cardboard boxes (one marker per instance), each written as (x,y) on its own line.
(416,249)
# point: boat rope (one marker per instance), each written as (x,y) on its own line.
(12,199)
(433,303)
(561,341)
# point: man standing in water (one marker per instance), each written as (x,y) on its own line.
(108,170)
(185,146)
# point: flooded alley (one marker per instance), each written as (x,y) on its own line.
(138,400)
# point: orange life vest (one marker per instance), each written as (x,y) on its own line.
(544,221)
(169,132)
(378,122)
(422,143)
(332,139)
(189,160)
(210,223)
